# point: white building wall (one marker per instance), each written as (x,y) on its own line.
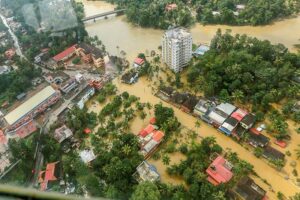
(177,48)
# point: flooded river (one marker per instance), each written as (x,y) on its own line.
(117,32)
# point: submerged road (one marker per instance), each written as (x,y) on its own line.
(275,178)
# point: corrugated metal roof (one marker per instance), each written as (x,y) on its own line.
(30,104)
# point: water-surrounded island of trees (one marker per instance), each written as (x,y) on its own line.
(153,13)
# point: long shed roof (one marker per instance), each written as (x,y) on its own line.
(28,105)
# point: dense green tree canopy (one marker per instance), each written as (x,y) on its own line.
(242,68)
(146,191)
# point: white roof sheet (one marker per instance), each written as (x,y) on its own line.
(30,104)
(216,117)
(226,108)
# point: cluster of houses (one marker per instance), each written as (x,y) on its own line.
(220,171)
(238,9)
(225,117)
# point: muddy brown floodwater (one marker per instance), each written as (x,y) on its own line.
(117,34)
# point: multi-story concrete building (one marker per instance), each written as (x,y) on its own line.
(177,48)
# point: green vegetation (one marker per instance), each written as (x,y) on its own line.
(76,61)
(17,81)
(245,69)
(278,126)
(33,41)
(24,150)
(149,13)
(256,12)
(146,191)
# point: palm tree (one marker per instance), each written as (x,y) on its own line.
(238,95)
(166,160)
(126,149)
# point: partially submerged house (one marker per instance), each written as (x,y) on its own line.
(239,132)
(201,50)
(179,98)
(229,125)
(189,105)
(146,172)
(219,171)
(272,154)
(130,77)
(220,114)
(256,139)
(149,139)
(165,93)
(138,62)
(248,121)
(90,54)
(247,189)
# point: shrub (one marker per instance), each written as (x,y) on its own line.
(171,148)
(183,148)
(76,60)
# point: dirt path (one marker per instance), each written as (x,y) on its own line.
(271,175)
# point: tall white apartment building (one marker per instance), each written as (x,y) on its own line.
(177,48)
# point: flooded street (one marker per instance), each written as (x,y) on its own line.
(117,34)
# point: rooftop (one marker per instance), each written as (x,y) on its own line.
(227,108)
(239,114)
(64,53)
(247,189)
(62,133)
(89,49)
(146,172)
(139,61)
(219,171)
(202,49)
(87,156)
(30,104)
(177,33)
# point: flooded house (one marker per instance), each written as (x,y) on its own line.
(272,154)
(165,93)
(146,172)
(247,189)
(248,121)
(179,98)
(256,139)
(149,139)
(189,105)
(219,171)
(220,114)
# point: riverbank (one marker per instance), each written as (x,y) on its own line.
(118,32)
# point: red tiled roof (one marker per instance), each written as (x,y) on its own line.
(280,143)
(87,131)
(152,120)
(158,135)
(49,174)
(147,130)
(170,7)
(255,131)
(139,61)
(65,53)
(239,114)
(3,139)
(217,171)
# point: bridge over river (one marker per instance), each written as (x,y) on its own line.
(94,17)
